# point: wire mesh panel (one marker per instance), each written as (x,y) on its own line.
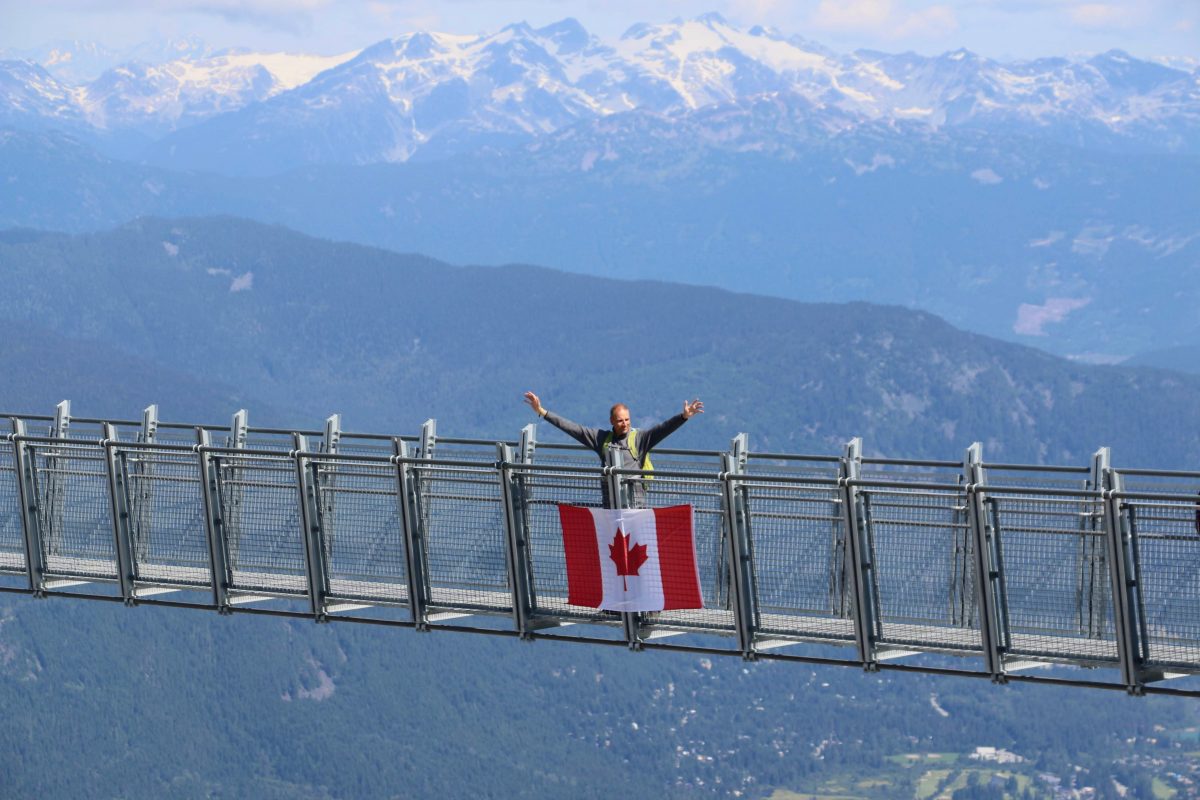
(12,532)
(801,567)
(167,527)
(363,535)
(461,516)
(705,494)
(543,492)
(74,509)
(1166,535)
(922,547)
(1057,590)
(261,512)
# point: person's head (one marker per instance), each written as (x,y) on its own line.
(618,416)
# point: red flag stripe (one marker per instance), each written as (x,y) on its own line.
(585,587)
(677,558)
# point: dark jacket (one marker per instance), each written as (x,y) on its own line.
(594,438)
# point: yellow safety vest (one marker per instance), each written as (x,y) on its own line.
(631,437)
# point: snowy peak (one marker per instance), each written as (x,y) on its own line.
(438,93)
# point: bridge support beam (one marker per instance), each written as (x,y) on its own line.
(989,573)
(313,539)
(742,587)
(862,564)
(520,576)
(118,494)
(414,543)
(1128,621)
(214,523)
(31,523)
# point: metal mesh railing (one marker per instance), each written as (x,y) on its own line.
(363,536)
(1056,575)
(461,517)
(466,514)
(1166,534)
(167,527)
(74,510)
(799,557)
(544,490)
(260,506)
(922,547)
(12,532)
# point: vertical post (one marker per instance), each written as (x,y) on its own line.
(1125,589)
(616,499)
(233,497)
(1095,590)
(861,566)
(333,433)
(414,548)
(528,443)
(428,438)
(414,555)
(30,516)
(53,504)
(62,419)
(150,423)
(214,522)
(310,524)
(987,571)
(518,544)
(141,492)
(738,549)
(121,519)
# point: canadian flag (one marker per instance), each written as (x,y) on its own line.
(630,559)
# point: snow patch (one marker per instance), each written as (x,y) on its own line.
(242,283)
(1033,319)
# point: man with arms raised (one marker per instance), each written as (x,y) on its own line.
(632,445)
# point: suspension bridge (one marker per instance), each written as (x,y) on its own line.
(1017,570)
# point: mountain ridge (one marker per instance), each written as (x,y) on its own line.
(458,93)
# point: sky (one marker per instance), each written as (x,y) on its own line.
(1002,29)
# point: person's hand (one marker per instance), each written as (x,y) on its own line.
(692,407)
(535,404)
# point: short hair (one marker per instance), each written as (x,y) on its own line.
(612,412)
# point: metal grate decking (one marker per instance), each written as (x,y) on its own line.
(1004,566)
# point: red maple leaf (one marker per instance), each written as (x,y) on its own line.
(628,559)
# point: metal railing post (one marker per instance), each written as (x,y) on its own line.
(517,541)
(630,621)
(214,523)
(312,536)
(1125,589)
(742,588)
(52,506)
(861,565)
(35,566)
(118,494)
(988,587)
(141,492)
(414,544)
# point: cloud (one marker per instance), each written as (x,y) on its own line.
(1032,320)
(1101,16)
(883,17)
(987,176)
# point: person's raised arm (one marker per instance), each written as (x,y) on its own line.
(535,403)
(588,437)
(652,436)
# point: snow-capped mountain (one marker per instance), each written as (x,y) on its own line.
(430,94)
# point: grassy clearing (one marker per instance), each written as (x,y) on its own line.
(923,759)
(927,786)
(1161,790)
